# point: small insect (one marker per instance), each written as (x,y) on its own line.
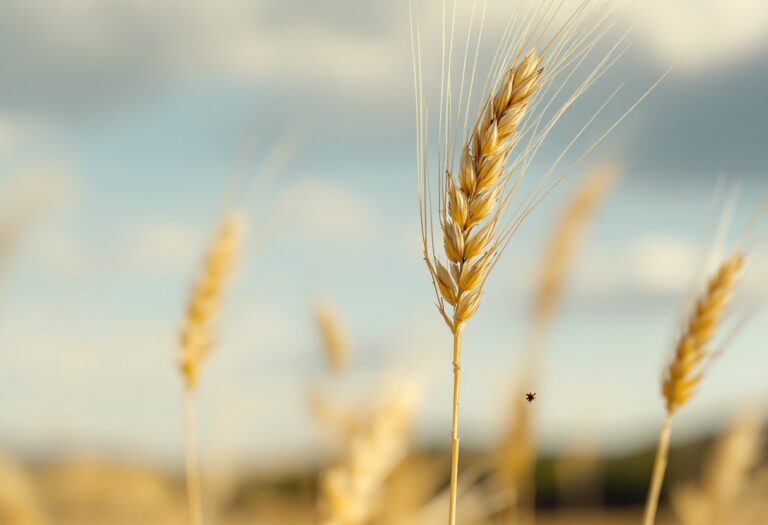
(530,396)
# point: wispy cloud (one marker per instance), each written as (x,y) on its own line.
(654,266)
(161,244)
(82,55)
(702,33)
(326,209)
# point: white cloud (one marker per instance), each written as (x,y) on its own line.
(30,196)
(654,265)
(10,132)
(63,253)
(104,51)
(326,209)
(661,263)
(161,245)
(337,60)
(701,32)
(40,185)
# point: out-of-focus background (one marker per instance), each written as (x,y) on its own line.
(126,122)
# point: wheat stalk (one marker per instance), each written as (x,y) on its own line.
(472,206)
(685,370)
(736,453)
(351,489)
(516,451)
(474,195)
(19,503)
(725,476)
(196,339)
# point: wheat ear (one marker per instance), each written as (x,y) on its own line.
(565,241)
(685,370)
(350,490)
(472,206)
(196,335)
(196,338)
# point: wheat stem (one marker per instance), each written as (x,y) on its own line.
(192,461)
(455,427)
(659,468)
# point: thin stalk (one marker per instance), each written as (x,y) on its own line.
(659,468)
(455,426)
(194,499)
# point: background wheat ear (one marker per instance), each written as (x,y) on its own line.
(685,370)
(350,490)
(333,335)
(726,475)
(197,337)
(565,241)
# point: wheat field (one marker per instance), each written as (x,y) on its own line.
(213,246)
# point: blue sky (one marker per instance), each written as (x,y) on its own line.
(138,115)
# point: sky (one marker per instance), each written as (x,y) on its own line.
(133,119)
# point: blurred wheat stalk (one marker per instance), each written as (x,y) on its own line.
(719,497)
(351,490)
(19,504)
(197,339)
(516,453)
(374,437)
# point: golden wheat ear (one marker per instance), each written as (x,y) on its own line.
(475,190)
(683,373)
(474,195)
(196,339)
(351,490)
(686,368)
(197,333)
